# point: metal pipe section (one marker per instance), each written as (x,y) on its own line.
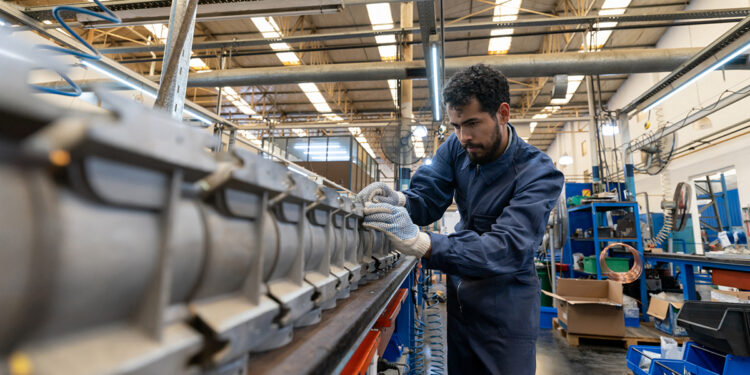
(129,247)
(526,65)
(593,138)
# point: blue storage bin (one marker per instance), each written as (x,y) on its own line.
(736,365)
(666,367)
(635,353)
(632,322)
(546,314)
(701,361)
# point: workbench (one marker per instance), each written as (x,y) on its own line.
(325,348)
(687,264)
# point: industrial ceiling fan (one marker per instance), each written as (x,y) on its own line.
(406,141)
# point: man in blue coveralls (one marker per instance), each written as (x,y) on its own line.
(504,189)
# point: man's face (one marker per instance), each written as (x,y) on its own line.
(480,133)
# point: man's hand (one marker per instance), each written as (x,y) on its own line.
(380,192)
(395,222)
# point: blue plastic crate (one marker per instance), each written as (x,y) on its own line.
(700,361)
(546,314)
(635,353)
(703,361)
(667,367)
(632,322)
(736,365)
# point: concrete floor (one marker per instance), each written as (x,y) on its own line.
(555,357)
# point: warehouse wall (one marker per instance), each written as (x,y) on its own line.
(730,154)
(573,141)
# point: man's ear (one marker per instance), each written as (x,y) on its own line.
(503,112)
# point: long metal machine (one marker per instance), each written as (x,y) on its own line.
(128,247)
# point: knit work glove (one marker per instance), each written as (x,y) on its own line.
(380,192)
(395,222)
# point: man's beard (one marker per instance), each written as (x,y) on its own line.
(494,148)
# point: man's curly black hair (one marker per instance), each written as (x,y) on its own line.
(488,85)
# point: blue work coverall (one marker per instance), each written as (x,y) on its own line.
(493,287)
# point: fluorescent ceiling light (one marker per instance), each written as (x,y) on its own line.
(435,78)
(380,14)
(381,19)
(267,27)
(505,10)
(702,74)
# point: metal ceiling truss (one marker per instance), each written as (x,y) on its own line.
(543,22)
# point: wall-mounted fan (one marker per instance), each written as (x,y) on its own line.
(657,153)
(675,214)
(405,142)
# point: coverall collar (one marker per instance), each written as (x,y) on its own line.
(496,168)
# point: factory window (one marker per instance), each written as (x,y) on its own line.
(338,148)
(296,148)
(317,149)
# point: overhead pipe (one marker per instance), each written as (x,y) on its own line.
(340,47)
(526,65)
(521,23)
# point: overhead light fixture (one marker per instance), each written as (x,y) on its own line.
(435,79)
(702,74)
(566,160)
(419,131)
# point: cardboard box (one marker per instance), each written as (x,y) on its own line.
(729,296)
(591,307)
(665,316)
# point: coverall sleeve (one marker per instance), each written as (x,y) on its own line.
(513,239)
(431,189)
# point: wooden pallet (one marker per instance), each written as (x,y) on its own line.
(645,334)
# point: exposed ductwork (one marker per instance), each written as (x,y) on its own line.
(531,65)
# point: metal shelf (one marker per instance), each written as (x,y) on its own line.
(607,239)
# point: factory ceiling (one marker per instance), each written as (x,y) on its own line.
(276,34)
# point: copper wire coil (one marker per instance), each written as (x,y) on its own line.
(624,277)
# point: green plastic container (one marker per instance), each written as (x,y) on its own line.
(544,280)
(615,264)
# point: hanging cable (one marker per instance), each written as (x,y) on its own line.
(92,54)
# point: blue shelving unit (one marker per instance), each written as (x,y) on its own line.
(593,215)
